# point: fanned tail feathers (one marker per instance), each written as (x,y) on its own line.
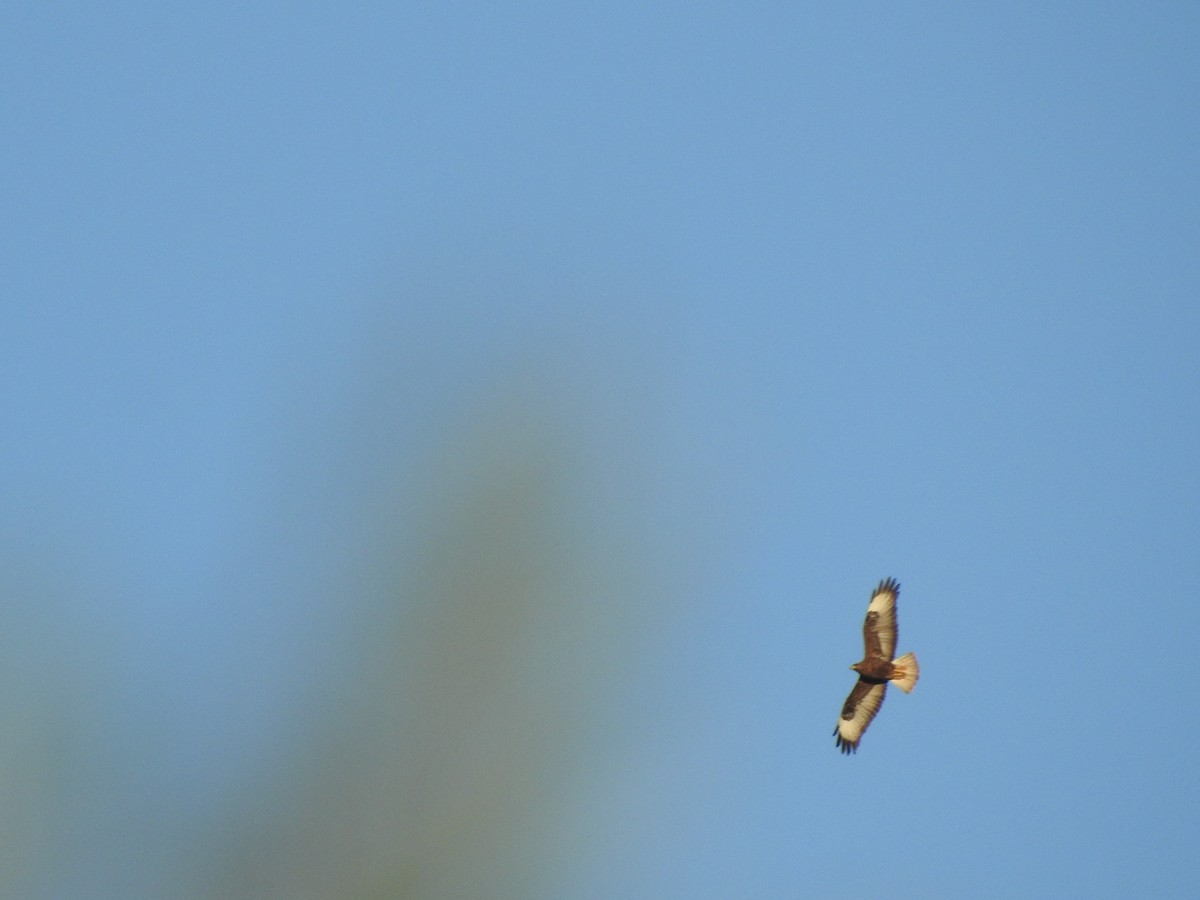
(905,672)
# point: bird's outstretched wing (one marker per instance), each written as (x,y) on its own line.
(857,712)
(880,631)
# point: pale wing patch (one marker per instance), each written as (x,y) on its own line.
(882,601)
(850,730)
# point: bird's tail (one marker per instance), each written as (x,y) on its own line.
(905,672)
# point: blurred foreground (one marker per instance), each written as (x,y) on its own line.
(404,679)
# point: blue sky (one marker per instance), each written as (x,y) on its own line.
(636,344)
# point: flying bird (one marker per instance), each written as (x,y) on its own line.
(876,668)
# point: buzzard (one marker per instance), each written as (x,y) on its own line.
(877,667)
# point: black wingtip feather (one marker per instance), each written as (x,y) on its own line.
(888,584)
(844,745)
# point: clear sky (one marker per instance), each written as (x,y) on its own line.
(447,450)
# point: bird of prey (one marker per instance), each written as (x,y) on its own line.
(876,668)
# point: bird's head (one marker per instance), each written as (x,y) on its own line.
(856,668)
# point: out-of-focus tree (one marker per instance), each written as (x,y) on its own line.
(497,640)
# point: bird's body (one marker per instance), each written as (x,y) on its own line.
(877,670)
(877,667)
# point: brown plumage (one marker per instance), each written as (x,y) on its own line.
(876,668)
